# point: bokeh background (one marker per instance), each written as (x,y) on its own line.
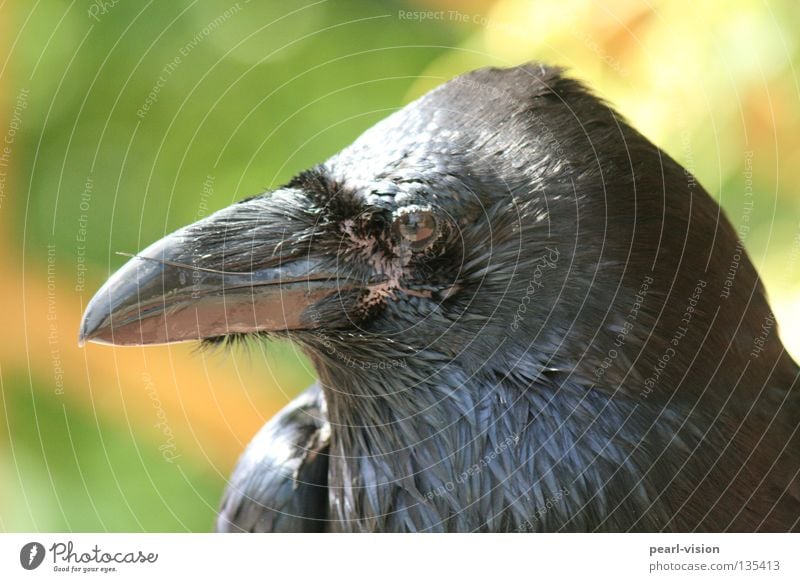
(121,121)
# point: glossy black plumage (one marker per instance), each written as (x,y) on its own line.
(286,465)
(569,352)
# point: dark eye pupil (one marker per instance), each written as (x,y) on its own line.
(417,227)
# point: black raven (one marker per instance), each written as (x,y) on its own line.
(524,317)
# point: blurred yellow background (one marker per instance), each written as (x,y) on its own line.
(122,121)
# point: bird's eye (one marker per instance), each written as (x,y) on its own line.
(417,227)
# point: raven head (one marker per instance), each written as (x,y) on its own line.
(508,222)
(431,233)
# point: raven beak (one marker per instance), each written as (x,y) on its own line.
(170,292)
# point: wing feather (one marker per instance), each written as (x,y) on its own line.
(281,481)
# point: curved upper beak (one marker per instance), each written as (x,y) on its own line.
(170,292)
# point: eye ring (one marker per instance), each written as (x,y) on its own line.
(417,227)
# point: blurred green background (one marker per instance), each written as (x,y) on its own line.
(125,120)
